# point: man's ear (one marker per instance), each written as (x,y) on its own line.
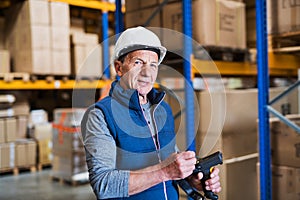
(118,67)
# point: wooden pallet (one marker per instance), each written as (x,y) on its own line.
(41,166)
(16,170)
(8,77)
(71,182)
(285,43)
(218,53)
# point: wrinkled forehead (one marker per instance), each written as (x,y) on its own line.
(145,55)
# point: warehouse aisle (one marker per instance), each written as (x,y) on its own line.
(39,186)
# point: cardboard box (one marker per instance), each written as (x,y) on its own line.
(63,167)
(134,5)
(26,37)
(25,152)
(223,120)
(172,19)
(297,183)
(2,131)
(65,143)
(285,142)
(80,38)
(22,122)
(284,16)
(31,152)
(213,23)
(4,61)
(35,61)
(61,61)
(20,154)
(87,62)
(29,37)
(251,27)
(60,38)
(66,133)
(284,182)
(34,12)
(38,36)
(38,117)
(140,17)
(21,108)
(239,179)
(86,55)
(59,14)
(44,151)
(2,33)
(11,129)
(219,23)
(7,155)
(42,131)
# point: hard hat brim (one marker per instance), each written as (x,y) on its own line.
(162,51)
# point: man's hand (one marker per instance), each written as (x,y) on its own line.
(178,165)
(212,184)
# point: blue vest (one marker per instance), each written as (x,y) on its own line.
(136,148)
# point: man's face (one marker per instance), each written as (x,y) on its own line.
(138,71)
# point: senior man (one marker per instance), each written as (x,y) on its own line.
(129,135)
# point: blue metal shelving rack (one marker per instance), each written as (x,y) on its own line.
(189,98)
(263,99)
(105,43)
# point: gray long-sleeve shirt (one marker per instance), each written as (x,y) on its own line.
(101,145)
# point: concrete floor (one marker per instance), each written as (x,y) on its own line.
(39,186)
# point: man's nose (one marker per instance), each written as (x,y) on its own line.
(146,70)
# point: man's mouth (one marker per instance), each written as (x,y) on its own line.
(143,83)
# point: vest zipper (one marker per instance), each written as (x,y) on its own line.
(156,140)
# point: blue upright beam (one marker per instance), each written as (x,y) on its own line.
(119,17)
(263,99)
(105,49)
(189,91)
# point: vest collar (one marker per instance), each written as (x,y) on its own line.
(130,97)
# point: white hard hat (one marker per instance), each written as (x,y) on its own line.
(136,39)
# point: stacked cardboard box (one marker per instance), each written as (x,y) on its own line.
(225,127)
(20,153)
(86,54)
(4,54)
(38,37)
(214,22)
(7,155)
(285,142)
(138,12)
(2,33)
(11,129)
(60,38)
(25,153)
(285,149)
(4,61)
(283,16)
(29,37)
(41,131)
(68,151)
(223,22)
(285,182)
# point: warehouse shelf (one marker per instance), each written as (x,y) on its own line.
(94,4)
(52,85)
(279,65)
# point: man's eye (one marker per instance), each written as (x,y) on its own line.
(153,65)
(138,62)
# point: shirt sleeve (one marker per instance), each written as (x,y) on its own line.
(105,179)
